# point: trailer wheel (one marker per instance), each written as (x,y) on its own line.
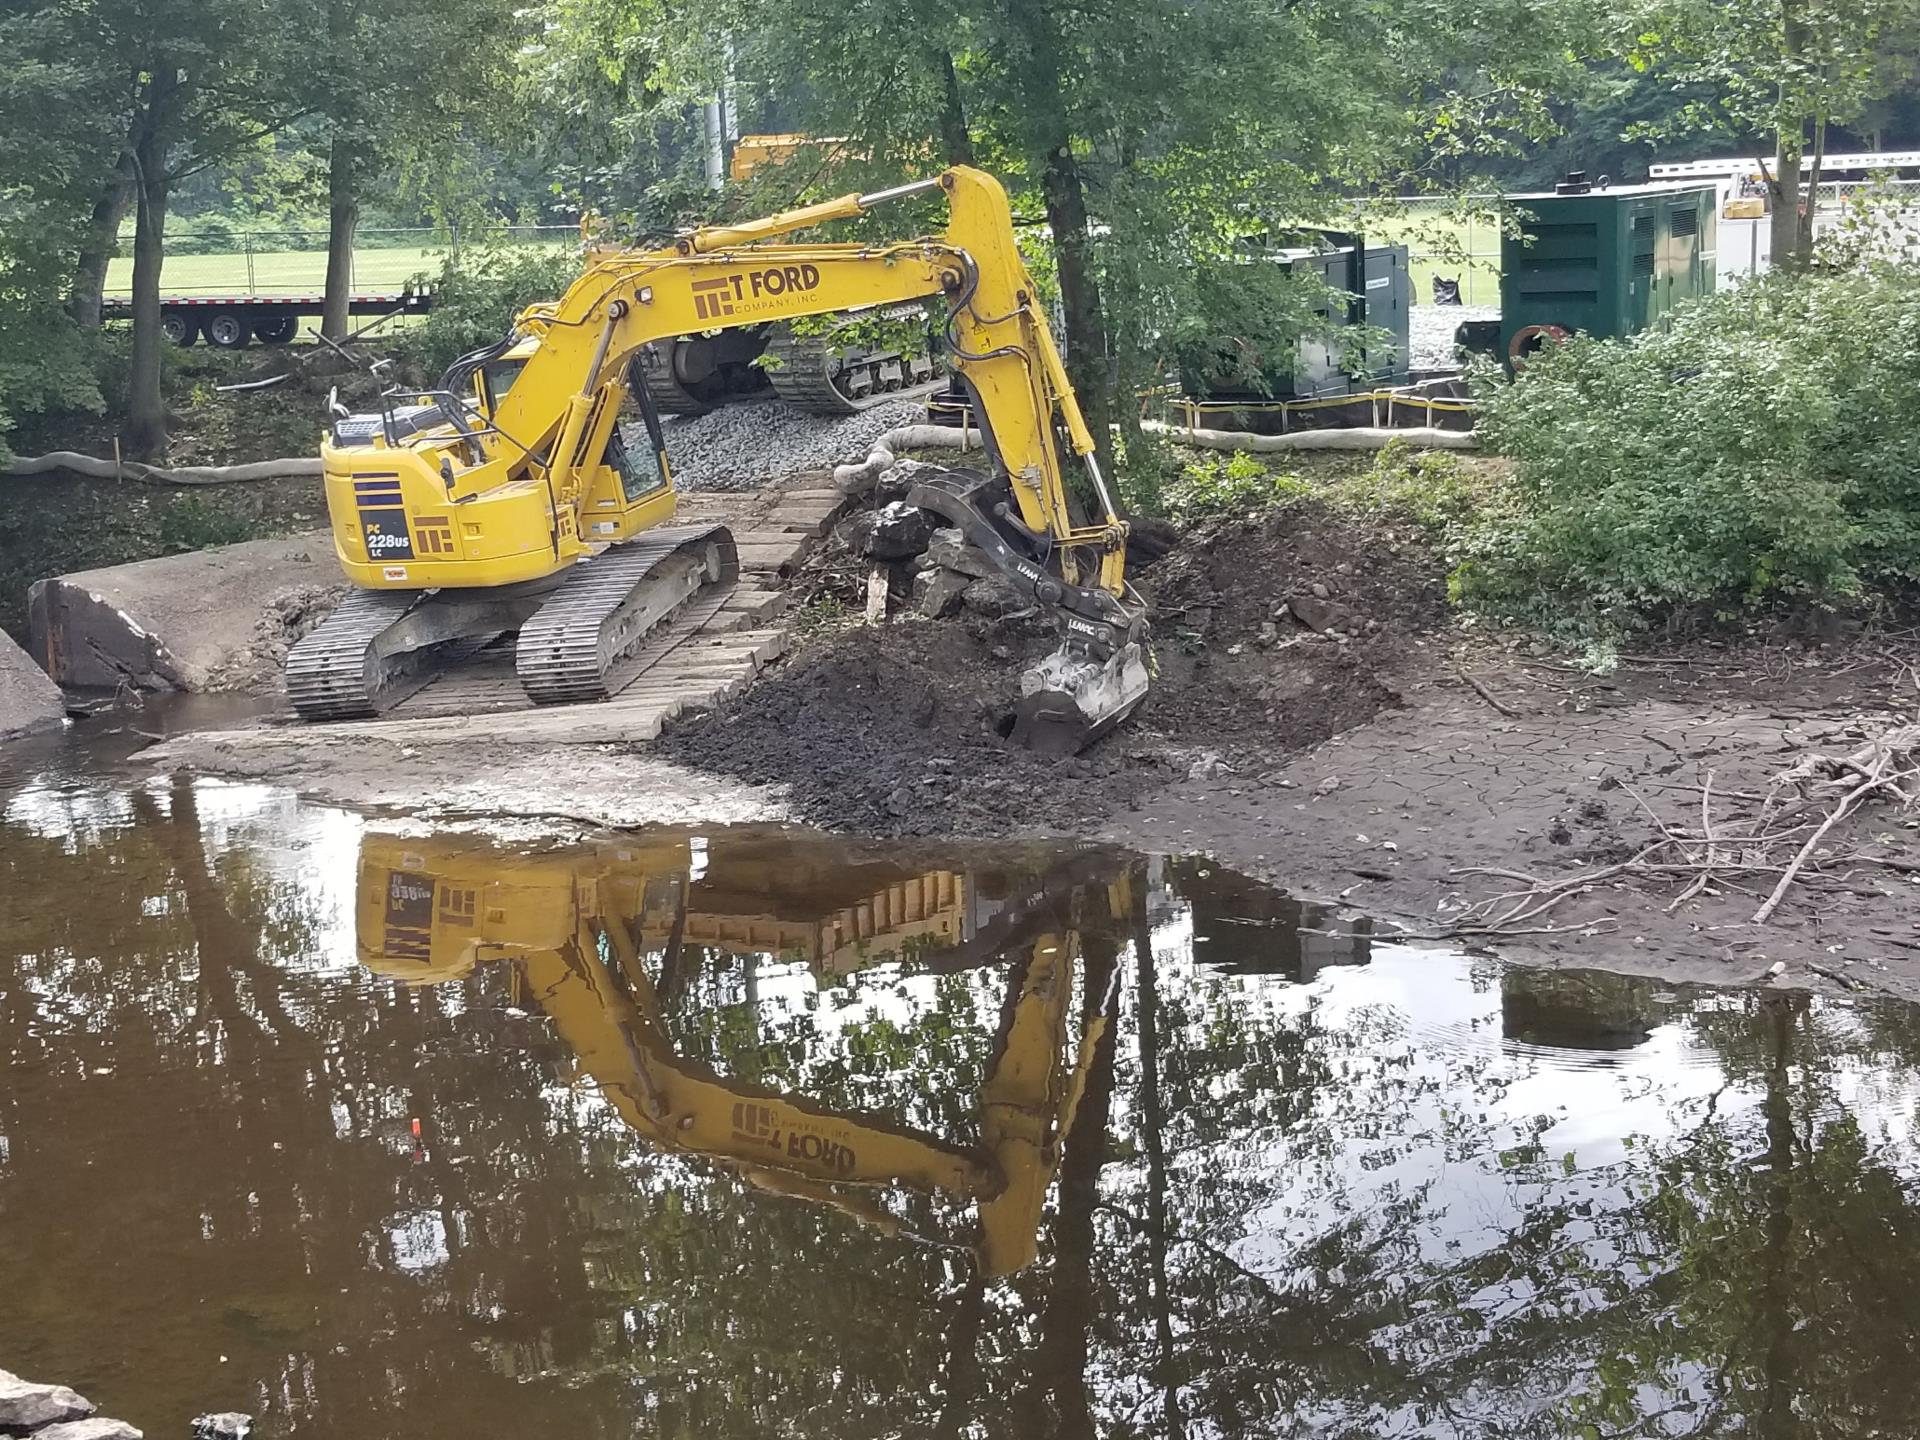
(228,331)
(179,330)
(276,329)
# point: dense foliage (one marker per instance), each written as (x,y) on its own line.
(476,297)
(1758,449)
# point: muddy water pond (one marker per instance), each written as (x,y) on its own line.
(396,1128)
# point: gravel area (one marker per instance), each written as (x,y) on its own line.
(740,447)
(1433,327)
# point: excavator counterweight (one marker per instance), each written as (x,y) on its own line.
(508,500)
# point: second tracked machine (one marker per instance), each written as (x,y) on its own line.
(508,501)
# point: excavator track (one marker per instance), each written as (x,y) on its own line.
(577,640)
(653,367)
(582,643)
(340,671)
(808,375)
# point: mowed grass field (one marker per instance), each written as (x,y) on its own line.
(1436,243)
(1427,233)
(279,272)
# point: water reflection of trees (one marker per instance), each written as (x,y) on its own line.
(1244,1238)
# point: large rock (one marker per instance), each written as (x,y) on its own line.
(950,551)
(172,623)
(993,597)
(95,1429)
(893,532)
(26,1406)
(29,701)
(936,592)
(900,477)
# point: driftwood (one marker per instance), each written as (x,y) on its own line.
(73,463)
(1781,844)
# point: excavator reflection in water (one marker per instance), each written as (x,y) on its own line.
(598,937)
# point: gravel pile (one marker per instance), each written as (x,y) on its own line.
(1433,327)
(741,447)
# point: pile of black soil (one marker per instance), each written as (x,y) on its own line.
(1270,635)
(1278,630)
(895,730)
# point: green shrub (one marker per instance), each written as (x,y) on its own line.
(476,298)
(1433,488)
(1218,484)
(1758,449)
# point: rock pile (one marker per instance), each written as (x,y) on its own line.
(53,1412)
(740,447)
(932,569)
(1431,330)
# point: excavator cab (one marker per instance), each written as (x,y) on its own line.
(600,938)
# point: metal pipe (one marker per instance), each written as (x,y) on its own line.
(899,192)
(1100,486)
(714,138)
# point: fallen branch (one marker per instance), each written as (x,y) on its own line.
(1487,695)
(294,467)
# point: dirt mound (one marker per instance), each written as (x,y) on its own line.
(1276,631)
(896,729)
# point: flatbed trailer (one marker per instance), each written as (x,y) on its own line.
(234,321)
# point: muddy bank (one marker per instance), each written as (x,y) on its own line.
(1445,813)
(1316,722)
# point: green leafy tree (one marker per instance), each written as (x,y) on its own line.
(1778,71)
(192,85)
(400,92)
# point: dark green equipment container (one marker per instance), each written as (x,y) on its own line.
(1609,261)
(1377,279)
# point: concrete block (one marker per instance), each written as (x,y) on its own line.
(170,623)
(29,701)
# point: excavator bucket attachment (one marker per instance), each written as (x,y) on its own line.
(1070,700)
(1093,681)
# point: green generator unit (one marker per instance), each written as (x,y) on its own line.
(1609,260)
(1380,285)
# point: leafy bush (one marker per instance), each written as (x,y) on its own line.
(1433,489)
(47,363)
(1758,449)
(1218,484)
(476,298)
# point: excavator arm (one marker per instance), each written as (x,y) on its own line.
(999,343)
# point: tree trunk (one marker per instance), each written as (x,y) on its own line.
(1808,217)
(101,243)
(1783,230)
(954,138)
(1086,348)
(1777,1419)
(343,217)
(146,423)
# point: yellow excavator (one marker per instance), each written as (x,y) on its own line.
(508,499)
(578,927)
